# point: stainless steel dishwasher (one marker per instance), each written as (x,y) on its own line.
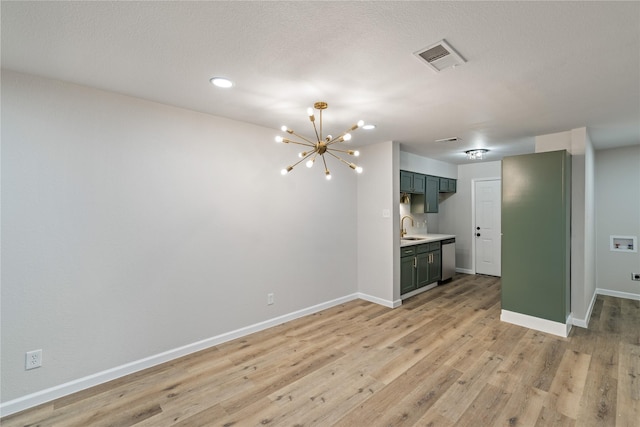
(448,258)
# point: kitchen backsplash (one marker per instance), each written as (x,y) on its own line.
(422,223)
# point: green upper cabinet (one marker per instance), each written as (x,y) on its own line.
(447,185)
(444,185)
(411,182)
(431,194)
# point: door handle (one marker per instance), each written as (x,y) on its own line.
(477,234)
(477,228)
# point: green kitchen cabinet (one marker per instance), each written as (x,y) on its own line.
(432,188)
(447,185)
(420,265)
(536,239)
(411,182)
(422,270)
(453,185)
(435,266)
(407,269)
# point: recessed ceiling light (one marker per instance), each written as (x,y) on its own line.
(368,127)
(222,82)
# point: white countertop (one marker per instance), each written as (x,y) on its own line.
(425,238)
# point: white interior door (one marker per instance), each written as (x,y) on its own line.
(488,227)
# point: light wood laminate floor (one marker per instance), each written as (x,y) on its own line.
(441,359)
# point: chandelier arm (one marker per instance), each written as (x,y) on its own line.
(339,158)
(315,129)
(341,151)
(326,169)
(302,137)
(302,159)
(310,144)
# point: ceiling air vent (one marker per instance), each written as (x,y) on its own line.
(440,56)
(452,139)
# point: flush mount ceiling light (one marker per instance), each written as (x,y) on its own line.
(476,154)
(222,82)
(322,146)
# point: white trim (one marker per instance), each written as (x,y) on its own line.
(52,393)
(584,323)
(543,325)
(619,294)
(419,290)
(464,270)
(380,301)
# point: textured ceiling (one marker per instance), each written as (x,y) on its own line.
(532,68)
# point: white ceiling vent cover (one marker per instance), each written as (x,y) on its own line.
(440,56)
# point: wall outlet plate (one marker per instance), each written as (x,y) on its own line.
(33,359)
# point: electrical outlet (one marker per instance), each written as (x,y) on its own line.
(33,359)
(269,299)
(635,276)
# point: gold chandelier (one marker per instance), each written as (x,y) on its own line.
(322,146)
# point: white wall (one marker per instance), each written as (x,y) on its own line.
(378,245)
(455,215)
(617,194)
(583,259)
(131,228)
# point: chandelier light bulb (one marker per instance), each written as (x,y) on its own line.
(279,138)
(360,123)
(356,153)
(283,128)
(346,137)
(359,169)
(302,154)
(327,175)
(283,172)
(309,163)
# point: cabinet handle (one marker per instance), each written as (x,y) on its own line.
(415,261)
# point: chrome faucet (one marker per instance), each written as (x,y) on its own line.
(403,231)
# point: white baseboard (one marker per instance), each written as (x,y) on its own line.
(380,301)
(542,325)
(419,291)
(584,323)
(619,294)
(465,270)
(47,395)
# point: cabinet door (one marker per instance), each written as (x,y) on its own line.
(418,183)
(452,185)
(407,274)
(431,194)
(435,266)
(422,270)
(444,185)
(406,182)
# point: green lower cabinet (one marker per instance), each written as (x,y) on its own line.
(420,265)
(435,266)
(422,270)
(407,274)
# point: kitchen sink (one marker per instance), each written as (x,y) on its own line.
(414,238)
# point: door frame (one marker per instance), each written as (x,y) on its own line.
(473,217)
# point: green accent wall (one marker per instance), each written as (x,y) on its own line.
(536,238)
